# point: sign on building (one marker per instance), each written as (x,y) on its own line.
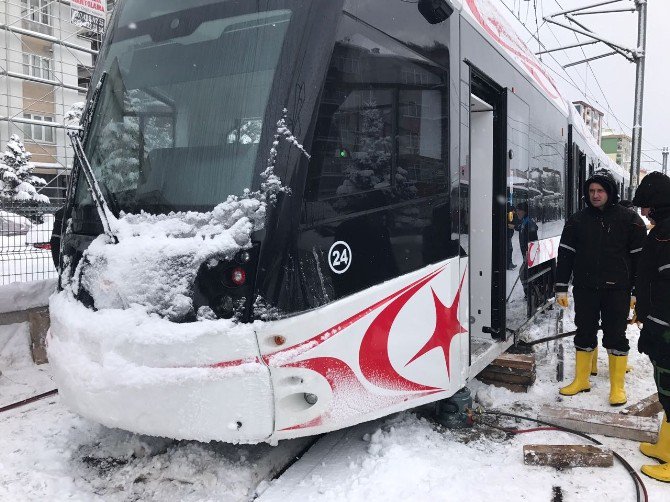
(89,14)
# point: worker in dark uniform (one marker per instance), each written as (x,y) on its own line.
(599,249)
(653,307)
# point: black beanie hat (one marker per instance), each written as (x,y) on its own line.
(606,180)
(654,191)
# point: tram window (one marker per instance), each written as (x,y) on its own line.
(356,156)
(180,112)
(381,131)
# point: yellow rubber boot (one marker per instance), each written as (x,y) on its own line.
(582,370)
(658,472)
(594,365)
(617,376)
(660,450)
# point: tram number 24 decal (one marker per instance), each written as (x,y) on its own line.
(339,257)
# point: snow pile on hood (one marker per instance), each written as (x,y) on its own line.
(156,259)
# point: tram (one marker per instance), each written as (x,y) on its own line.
(375,280)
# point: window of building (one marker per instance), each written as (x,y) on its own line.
(37,10)
(381,133)
(38,66)
(84,74)
(38,132)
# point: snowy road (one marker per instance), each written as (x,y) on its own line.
(51,454)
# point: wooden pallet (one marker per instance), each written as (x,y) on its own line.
(515,372)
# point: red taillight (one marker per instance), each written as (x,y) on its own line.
(42,245)
(238,276)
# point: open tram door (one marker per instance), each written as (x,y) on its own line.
(487,213)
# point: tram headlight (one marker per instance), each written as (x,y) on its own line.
(238,276)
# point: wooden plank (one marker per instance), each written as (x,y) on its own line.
(39,325)
(564,455)
(514,387)
(648,407)
(503,370)
(520,361)
(601,422)
(507,377)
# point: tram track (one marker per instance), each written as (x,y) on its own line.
(29,400)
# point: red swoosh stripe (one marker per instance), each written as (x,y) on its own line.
(329,333)
(374,355)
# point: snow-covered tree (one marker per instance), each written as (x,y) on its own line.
(17,182)
(371,166)
(119,151)
(74,114)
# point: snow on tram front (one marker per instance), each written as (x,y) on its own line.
(279,223)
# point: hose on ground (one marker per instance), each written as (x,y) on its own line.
(639,484)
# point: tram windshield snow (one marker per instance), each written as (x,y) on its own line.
(180,115)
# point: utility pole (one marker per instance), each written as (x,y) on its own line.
(640,60)
(665,160)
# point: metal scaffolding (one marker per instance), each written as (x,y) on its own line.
(46,64)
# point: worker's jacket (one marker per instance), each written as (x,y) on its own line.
(600,249)
(653,279)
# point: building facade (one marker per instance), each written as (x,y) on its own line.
(593,118)
(618,147)
(46,65)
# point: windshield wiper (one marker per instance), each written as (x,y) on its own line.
(106,215)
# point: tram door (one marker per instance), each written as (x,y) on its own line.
(518,165)
(487,209)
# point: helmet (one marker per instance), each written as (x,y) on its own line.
(607,181)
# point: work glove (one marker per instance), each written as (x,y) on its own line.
(645,344)
(562,300)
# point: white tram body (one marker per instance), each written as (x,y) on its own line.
(388,296)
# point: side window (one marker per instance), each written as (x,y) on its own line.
(382,128)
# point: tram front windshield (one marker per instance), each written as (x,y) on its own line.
(181,107)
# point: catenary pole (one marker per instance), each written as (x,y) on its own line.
(665,160)
(640,59)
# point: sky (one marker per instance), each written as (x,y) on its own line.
(609,83)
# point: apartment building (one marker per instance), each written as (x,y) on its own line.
(45,67)
(593,118)
(618,147)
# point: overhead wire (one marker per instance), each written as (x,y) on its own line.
(571,81)
(602,92)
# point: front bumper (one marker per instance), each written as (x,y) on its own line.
(123,368)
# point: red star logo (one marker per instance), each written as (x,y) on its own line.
(447,327)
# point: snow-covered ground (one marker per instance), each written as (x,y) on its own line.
(48,453)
